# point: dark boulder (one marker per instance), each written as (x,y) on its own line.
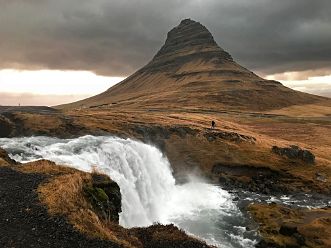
(295,152)
(288,229)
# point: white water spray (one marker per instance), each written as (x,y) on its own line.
(149,192)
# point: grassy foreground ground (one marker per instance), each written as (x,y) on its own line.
(237,152)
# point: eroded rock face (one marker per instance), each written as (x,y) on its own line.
(256,179)
(295,152)
(105,196)
(188,41)
(230,136)
(157,134)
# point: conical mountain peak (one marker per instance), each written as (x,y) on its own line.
(187,34)
(190,40)
(191,71)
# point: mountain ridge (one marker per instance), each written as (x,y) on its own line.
(192,71)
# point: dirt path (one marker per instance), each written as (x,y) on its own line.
(24,222)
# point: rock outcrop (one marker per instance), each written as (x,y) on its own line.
(105,196)
(188,41)
(230,136)
(295,152)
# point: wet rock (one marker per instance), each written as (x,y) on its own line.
(260,179)
(288,229)
(295,152)
(300,239)
(320,177)
(265,244)
(105,196)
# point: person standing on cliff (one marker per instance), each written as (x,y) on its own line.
(213,124)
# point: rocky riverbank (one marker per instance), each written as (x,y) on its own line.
(282,226)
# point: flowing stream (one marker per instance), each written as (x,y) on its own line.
(149,191)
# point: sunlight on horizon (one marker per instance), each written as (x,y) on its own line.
(319,85)
(55,82)
(53,87)
(50,87)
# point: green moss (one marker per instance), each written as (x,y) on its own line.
(101,195)
(97,194)
(105,197)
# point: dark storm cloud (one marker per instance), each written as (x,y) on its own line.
(118,37)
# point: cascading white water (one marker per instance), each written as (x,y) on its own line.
(149,192)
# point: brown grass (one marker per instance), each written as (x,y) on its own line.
(196,153)
(308,110)
(39,122)
(3,162)
(45,167)
(64,195)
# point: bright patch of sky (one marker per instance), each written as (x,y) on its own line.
(50,87)
(54,87)
(54,82)
(301,81)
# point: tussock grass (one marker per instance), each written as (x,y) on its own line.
(45,167)
(64,195)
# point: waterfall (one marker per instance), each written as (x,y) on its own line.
(148,188)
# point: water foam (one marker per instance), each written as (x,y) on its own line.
(148,188)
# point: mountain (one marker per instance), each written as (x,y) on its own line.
(191,71)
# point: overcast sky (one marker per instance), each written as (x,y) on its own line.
(115,38)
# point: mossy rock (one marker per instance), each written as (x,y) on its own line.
(98,194)
(105,197)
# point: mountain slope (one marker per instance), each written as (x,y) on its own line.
(192,71)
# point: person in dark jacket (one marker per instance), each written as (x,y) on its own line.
(213,124)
